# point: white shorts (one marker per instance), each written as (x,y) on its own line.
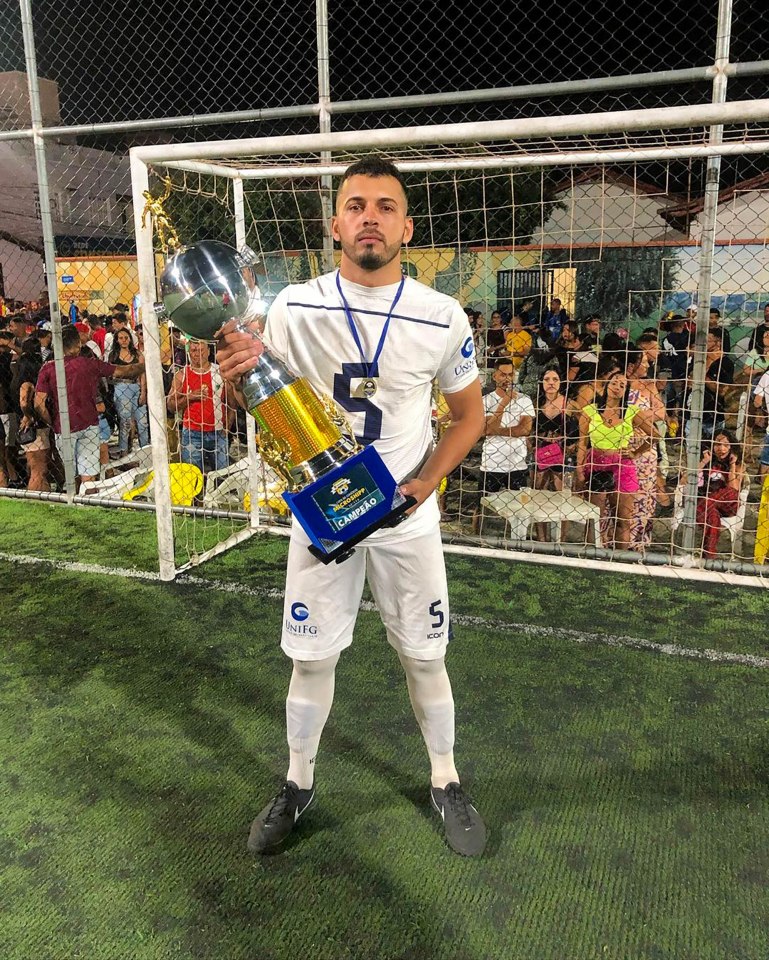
(408,582)
(85,445)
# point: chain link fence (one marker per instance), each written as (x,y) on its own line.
(618,240)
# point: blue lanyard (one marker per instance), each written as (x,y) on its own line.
(370,368)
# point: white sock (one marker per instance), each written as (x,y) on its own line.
(433,704)
(308,704)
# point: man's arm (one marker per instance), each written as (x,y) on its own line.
(129,371)
(521,429)
(466,409)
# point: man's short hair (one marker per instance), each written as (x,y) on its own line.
(120,317)
(647,338)
(716,311)
(503,362)
(70,336)
(375,166)
(717,333)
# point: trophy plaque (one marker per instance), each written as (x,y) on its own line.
(339,491)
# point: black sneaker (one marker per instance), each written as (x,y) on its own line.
(465,830)
(277,820)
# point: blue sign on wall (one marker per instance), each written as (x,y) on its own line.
(68,279)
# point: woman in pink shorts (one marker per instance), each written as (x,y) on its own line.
(606,471)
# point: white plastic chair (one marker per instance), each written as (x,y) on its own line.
(742,414)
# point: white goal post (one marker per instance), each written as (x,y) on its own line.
(699,133)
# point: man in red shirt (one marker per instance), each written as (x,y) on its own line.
(204,402)
(82,375)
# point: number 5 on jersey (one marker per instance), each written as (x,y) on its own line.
(372,424)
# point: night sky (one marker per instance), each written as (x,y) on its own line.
(114,63)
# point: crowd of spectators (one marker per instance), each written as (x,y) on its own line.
(582,409)
(106,393)
(574,408)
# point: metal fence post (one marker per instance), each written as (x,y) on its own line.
(324,123)
(708,239)
(49,246)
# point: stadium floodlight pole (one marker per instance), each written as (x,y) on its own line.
(239,209)
(324,125)
(709,224)
(156,397)
(49,247)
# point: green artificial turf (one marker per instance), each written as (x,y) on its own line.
(141,729)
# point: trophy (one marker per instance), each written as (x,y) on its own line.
(339,491)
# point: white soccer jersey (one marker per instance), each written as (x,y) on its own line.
(428,337)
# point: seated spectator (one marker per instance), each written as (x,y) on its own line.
(82,376)
(606,471)
(34,434)
(206,406)
(130,393)
(714,324)
(540,356)
(755,365)
(518,343)
(587,391)
(555,438)
(495,340)
(718,487)
(648,343)
(756,361)
(575,365)
(616,342)
(757,337)
(509,417)
(719,376)
(553,318)
(591,333)
(676,344)
(529,320)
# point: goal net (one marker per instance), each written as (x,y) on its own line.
(587,256)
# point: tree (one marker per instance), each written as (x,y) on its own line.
(621,283)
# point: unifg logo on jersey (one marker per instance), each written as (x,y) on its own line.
(299,613)
(340,486)
(466,351)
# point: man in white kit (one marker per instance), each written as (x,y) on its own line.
(375,341)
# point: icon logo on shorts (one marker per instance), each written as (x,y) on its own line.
(299,612)
(467,347)
(340,486)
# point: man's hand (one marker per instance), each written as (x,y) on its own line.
(419,489)
(237,352)
(26,421)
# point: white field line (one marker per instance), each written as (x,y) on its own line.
(263,593)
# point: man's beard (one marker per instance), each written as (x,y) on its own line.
(369,260)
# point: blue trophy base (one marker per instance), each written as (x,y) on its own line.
(347,504)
